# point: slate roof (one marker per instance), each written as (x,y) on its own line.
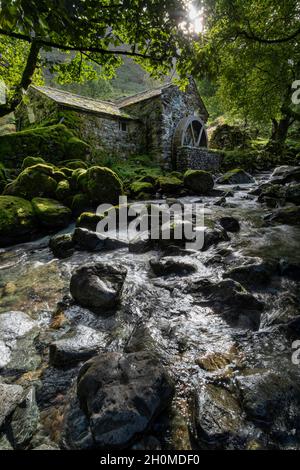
(142,96)
(83,103)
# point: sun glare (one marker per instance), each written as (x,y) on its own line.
(196,18)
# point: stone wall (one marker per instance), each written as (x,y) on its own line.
(197,159)
(150,112)
(105,134)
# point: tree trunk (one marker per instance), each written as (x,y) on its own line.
(280,130)
(26,79)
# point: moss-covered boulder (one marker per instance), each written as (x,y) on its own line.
(169,184)
(236,176)
(51,213)
(78,179)
(80,203)
(63,190)
(198,181)
(55,143)
(139,187)
(101,184)
(89,220)
(62,246)
(31,161)
(36,181)
(73,164)
(17,220)
(229,137)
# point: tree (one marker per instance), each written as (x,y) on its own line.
(251,48)
(152,32)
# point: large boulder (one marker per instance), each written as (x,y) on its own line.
(98,286)
(62,246)
(118,398)
(236,176)
(17,220)
(50,213)
(169,184)
(102,185)
(36,181)
(228,137)
(198,181)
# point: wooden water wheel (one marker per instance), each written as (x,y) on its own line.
(190,132)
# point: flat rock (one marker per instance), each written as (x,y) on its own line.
(76,346)
(169,266)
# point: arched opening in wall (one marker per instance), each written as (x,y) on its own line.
(190,133)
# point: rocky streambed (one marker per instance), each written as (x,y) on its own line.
(158,347)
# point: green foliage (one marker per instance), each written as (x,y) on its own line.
(249,51)
(141,187)
(100,32)
(54,143)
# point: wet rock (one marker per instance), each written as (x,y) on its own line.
(99,286)
(220,202)
(5,443)
(47,447)
(292,193)
(198,181)
(219,418)
(55,384)
(213,237)
(271,399)
(169,266)
(86,240)
(92,241)
(17,334)
(231,300)
(10,397)
(252,275)
(62,246)
(286,215)
(283,175)
(25,420)
(119,396)
(76,346)
(230,224)
(236,176)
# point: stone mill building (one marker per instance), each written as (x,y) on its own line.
(165,122)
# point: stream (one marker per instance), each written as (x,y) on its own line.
(235,384)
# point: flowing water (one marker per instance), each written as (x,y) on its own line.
(234,386)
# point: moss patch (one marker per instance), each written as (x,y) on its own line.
(54,143)
(101,184)
(38,180)
(51,213)
(141,187)
(31,161)
(17,220)
(89,220)
(198,181)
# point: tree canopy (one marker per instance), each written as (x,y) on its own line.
(152,32)
(251,50)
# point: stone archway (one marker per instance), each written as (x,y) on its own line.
(190,133)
